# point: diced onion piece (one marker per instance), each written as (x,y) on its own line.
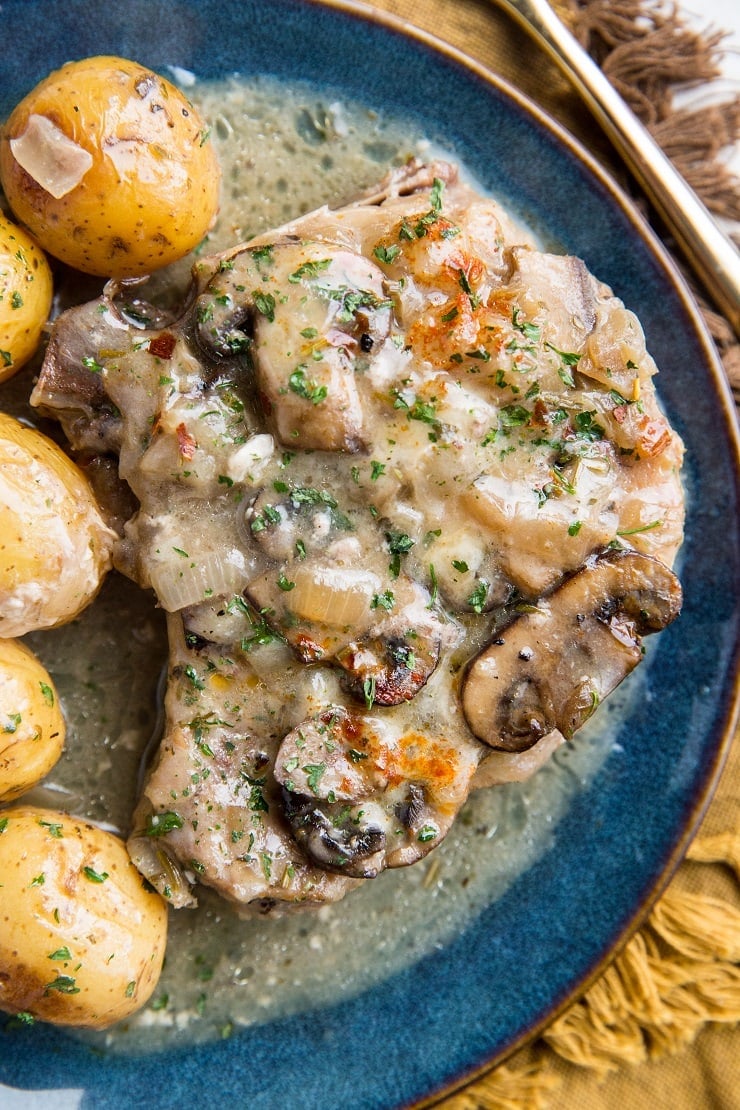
(158,866)
(338,596)
(53,160)
(497,767)
(182,581)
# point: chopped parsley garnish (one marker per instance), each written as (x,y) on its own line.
(159,824)
(309,269)
(386,600)
(351,300)
(303,387)
(477,599)
(65,984)
(262,633)
(314,773)
(261,255)
(532,332)
(464,284)
(586,427)
(265,303)
(93,875)
(642,528)
(568,358)
(514,416)
(386,254)
(61,954)
(399,543)
(257,802)
(368,689)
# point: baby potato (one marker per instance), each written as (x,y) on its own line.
(82,936)
(25,297)
(55,547)
(110,167)
(31,722)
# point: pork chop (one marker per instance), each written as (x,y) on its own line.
(370,443)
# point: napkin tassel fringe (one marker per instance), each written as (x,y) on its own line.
(680,971)
(648,53)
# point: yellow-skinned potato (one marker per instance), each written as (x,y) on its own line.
(55,547)
(25,297)
(31,722)
(110,167)
(82,937)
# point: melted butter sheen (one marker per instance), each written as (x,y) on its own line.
(283,152)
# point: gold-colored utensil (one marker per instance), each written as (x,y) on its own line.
(711,255)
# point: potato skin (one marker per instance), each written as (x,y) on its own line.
(55,547)
(25,297)
(82,938)
(32,727)
(152,190)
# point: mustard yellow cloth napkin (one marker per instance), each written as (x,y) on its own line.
(661,1027)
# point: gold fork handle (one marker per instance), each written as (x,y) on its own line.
(707,250)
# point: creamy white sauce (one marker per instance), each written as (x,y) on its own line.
(283,152)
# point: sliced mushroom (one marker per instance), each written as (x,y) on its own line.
(309,314)
(69,386)
(391,668)
(359,797)
(550,668)
(290,526)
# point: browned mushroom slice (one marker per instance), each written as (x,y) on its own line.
(550,669)
(323,767)
(361,797)
(391,668)
(413,176)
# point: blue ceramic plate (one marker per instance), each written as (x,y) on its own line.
(506,972)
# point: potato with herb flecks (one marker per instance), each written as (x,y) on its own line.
(82,935)
(31,722)
(55,547)
(110,167)
(25,297)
